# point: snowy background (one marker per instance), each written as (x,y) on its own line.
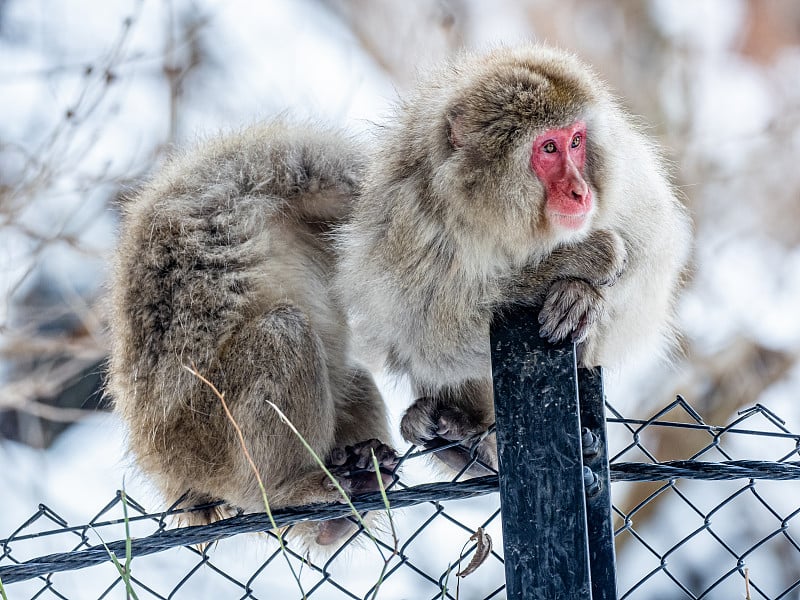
(94,93)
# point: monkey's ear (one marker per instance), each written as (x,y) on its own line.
(456,129)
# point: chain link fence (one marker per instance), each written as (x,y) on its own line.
(733,537)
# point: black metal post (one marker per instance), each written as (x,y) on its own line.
(598,496)
(541,465)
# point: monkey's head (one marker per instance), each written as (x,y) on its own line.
(521,138)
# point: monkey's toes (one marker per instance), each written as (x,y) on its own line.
(337,457)
(572,308)
(419,423)
(455,425)
(360,455)
(435,427)
(426,420)
(354,467)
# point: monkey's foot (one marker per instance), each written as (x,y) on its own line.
(333,530)
(572,306)
(438,428)
(354,468)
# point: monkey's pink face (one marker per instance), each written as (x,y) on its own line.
(558,159)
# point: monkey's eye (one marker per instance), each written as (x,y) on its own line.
(549,147)
(576,141)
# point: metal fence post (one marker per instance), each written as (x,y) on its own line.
(541,465)
(598,493)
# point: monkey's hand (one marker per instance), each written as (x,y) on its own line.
(354,468)
(435,427)
(572,306)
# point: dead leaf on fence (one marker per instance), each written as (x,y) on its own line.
(482,552)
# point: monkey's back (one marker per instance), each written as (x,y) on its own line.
(222,236)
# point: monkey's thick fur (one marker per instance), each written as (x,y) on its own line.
(225,263)
(451,226)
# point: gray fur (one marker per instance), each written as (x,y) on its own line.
(225,263)
(451,227)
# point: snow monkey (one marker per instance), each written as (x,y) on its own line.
(510,177)
(225,263)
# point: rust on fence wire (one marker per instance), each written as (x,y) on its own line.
(742,521)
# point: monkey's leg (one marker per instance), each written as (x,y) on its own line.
(286,365)
(361,413)
(361,426)
(567,283)
(362,429)
(461,414)
(281,359)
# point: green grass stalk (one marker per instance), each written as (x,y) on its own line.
(325,470)
(123,570)
(193,370)
(388,507)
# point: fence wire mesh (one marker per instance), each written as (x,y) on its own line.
(677,534)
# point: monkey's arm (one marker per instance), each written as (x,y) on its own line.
(568,285)
(599,260)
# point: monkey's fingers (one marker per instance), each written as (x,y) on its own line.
(571,309)
(583,328)
(614,276)
(553,317)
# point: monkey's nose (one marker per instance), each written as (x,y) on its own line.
(578,188)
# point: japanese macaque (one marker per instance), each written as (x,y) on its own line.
(511,177)
(225,264)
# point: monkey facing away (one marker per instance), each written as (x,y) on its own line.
(225,263)
(511,177)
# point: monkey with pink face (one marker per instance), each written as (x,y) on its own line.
(506,178)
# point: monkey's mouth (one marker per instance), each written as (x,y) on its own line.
(569,221)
